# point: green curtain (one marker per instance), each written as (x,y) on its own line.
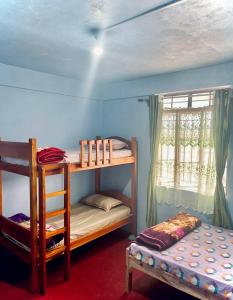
(155,118)
(222,117)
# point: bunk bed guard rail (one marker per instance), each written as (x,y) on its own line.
(101,148)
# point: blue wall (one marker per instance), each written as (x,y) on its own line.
(55,111)
(127,117)
(50,108)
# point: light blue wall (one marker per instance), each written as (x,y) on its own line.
(50,108)
(127,117)
(53,109)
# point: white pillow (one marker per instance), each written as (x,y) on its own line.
(118,145)
(103,202)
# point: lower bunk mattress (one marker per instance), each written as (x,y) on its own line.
(84,219)
(203,258)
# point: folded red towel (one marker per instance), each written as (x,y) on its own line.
(50,155)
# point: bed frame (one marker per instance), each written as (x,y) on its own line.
(168,278)
(34,252)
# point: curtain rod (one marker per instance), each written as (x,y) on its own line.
(142,99)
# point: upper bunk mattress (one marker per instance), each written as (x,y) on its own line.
(73,156)
(202,258)
(85,219)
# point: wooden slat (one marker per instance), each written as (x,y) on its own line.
(50,234)
(15,150)
(53,253)
(55,194)
(15,230)
(90,158)
(110,151)
(13,168)
(105,143)
(82,153)
(55,213)
(98,161)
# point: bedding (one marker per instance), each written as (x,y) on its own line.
(118,145)
(85,219)
(73,156)
(24,221)
(50,155)
(100,201)
(202,258)
(167,233)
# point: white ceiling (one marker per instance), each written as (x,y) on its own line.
(52,36)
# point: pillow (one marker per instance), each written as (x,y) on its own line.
(103,202)
(118,145)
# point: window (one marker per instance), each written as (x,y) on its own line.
(186,154)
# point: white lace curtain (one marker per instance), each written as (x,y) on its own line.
(186,166)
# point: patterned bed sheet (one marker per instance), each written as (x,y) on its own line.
(203,258)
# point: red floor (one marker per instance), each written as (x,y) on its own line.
(98,272)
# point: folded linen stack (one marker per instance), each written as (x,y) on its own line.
(24,221)
(167,233)
(50,155)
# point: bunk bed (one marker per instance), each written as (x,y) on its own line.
(29,244)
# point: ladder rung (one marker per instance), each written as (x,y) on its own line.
(55,194)
(50,234)
(55,213)
(54,252)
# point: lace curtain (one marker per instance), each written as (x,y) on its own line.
(186,164)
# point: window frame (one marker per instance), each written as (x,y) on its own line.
(189,109)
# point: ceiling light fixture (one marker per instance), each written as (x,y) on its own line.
(97,50)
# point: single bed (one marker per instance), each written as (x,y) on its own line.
(200,264)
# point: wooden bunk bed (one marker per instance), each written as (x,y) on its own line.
(34,250)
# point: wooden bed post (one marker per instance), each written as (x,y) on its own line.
(67,221)
(134,187)
(42,231)
(97,180)
(128,274)
(33,215)
(0,187)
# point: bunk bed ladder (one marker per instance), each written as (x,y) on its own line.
(65,230)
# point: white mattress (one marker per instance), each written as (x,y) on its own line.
(73,156)
(85,219)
